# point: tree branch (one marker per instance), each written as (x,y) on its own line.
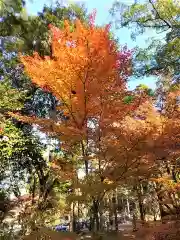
(158,14)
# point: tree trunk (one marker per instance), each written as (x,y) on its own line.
(128,208)
(115,212)
(110,219)
(141,210)
(157,189)
(134,222)
(97,221)
(101,219)
(85,155)
(73,218)
(116,219)
(92,222)
(141,205)
(96,214)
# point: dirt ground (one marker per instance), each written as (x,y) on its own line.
(150,231)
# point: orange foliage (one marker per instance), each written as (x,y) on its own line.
(140,144)
(81,71)
(128,145)
(87,74)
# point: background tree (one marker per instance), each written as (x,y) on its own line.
(161,17)
(159,58)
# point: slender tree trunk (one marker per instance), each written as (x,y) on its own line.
(128,208)
(78,215)
(92,222)
(159,198)
(141,210)
(116,219)
(84,153)
(101,219)
(73,218)
(33,189)
(134,222)
(140,201)
(96,214)
(110,219)
(115,212)
(97,221)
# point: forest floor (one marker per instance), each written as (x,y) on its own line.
(149,231)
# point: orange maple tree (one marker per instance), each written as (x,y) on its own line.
(87,74)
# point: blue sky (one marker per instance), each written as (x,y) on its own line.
(103,16)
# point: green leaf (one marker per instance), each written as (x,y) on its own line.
(128,99)
(151,92)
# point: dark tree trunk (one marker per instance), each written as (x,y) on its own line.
(73,219)
(141,209)
(116,219)
(115,213)
(140,201)
(92,221)
(96,213)
(97,221)
(33,190)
